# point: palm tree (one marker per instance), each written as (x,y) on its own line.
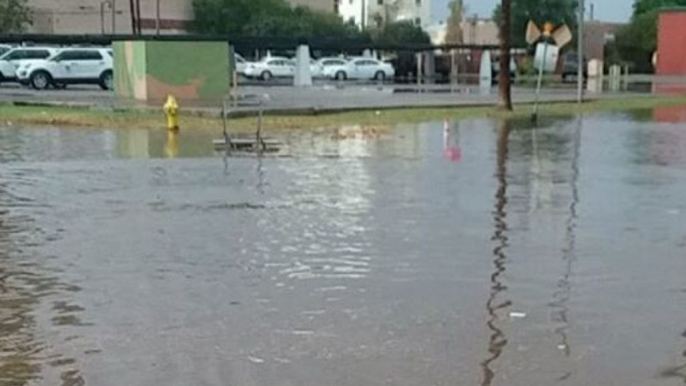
(504,88)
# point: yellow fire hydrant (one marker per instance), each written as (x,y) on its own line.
(171,110)
(171,147)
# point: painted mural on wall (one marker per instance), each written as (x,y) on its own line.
(149,71)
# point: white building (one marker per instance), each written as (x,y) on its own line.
(474,31)
(374,13)
(95,16)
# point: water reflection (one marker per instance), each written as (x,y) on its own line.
(563,292)
(261,175)
(171,147)
(27,284)
(497,301)
(451,142)
(678,372)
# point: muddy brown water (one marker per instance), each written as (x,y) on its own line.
(487,253)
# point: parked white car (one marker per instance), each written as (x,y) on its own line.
(241,64)
(270,67)
(362,68)
(316,69)
(330,65)
(15,58)
(70,66)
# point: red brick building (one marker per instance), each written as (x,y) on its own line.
(671,35)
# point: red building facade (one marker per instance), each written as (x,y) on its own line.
(671,42)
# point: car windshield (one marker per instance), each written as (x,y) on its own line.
(13,55)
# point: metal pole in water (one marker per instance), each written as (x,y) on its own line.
(227,140)
(534,114)
(259,143)
(234,88)
(224,120)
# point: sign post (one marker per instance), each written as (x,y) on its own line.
(580,53)
(562,36)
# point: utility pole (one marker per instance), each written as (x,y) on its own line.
(132,8)
(504,86)
(580,53)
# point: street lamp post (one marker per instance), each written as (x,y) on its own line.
(363,15)
(157,20)
(103,4)
(102,18)
(113,3)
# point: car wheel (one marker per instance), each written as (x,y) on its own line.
(106,80)
(380,76)
(40,80)
(340,75)
(266,76)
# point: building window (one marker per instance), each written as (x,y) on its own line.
(379,2)
(336,7)
(418,2)
(352,20)
(418,21)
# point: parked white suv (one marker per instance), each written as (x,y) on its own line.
(15,58)
(4,48)
(70,66)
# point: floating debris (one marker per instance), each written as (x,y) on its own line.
(255,360)
(517,315)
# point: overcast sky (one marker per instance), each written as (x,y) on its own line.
(605,10)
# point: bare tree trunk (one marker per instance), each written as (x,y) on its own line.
(132,9)
(505,88)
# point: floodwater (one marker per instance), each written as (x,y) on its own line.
(474,253)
